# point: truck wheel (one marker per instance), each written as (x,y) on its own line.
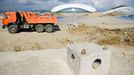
(13,29)
(39,28)
(49,28)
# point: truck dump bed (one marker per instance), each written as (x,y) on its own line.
(33,18)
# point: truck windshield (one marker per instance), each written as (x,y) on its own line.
(6,16)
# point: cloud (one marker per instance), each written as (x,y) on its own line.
(123,2)
(64,0)
(22,1)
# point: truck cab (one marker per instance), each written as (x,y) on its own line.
(9,17)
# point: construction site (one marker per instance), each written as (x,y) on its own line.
(67,44)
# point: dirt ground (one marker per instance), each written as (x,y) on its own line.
(53,62)
(108,31)
(27,40)
(104,30)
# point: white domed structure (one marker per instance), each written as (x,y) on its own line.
(73,8)
(126,10)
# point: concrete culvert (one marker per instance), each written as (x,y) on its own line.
(96,64)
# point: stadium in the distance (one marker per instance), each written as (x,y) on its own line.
(69,8)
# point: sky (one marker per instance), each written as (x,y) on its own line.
(16,5)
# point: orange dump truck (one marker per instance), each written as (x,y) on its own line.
(15,21)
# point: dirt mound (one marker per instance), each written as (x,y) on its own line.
(106,36)
(110,40)
(85,30)
(66,41)
(129,36)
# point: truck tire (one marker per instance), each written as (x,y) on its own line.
(39,28)
(13,29)
(49,28)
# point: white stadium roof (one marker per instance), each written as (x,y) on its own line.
(125,9)
(81,6)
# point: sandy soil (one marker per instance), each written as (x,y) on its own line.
(53,62)
(104,30)
(83,34)
(48,62)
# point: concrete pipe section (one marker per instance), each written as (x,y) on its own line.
(88,59)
